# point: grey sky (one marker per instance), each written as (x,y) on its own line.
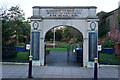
(26,5)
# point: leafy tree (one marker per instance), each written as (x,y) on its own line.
(13,18)
(8,50)
(49,35)
(26,32)
(67,33)
(15,13)
(70,32)
(12,28)
(58,35)
(103,25)
(77,34)
(79,39)
(3,13)
(7,32)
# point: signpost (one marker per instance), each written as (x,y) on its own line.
(99,48)
(27,46)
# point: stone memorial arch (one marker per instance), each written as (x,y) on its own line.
(83,19)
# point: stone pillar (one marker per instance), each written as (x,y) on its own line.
(35,40)
(92,26)
(85,52)
(42,51)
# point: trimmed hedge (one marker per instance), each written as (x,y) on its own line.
(8,52)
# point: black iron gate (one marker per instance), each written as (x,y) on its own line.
(78,56)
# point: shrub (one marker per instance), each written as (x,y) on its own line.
(108,44)
(8,52)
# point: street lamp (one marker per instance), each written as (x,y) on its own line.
(54,38)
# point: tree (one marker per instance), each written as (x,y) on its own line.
(58,35)
(70,32)
(16,16)
(15,13)
(77,34)
(49,35)
(26,31)
(12,28)
(103,25)
(24,37)
(8,50)
(67,33)
(7,32)
(3,13)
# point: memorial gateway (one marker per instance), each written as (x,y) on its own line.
(83,19)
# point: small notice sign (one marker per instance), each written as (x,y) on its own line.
(27,46)
(99,47)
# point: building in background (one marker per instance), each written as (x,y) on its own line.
(113,20)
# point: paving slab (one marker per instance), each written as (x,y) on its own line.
(21,71)
(59,58)
(58,67)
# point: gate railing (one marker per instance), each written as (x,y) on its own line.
(70,47)
(107,56)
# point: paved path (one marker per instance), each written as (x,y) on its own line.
(21,71)
(57,67)
(59,58)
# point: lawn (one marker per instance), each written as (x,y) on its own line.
(57,49)
(62,47)
(108,59)
(21,57)
(104,58)
(63,44)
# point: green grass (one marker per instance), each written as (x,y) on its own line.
(63,47)
(108,59)
(19,46)
(62,44)
(104,58)
(57,49)
(21,57)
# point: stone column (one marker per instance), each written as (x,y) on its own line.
(42,51)
(85,52)
(92,26)
(35,36)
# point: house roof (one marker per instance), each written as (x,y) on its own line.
(112,12)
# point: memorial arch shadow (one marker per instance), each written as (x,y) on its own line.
(83,19)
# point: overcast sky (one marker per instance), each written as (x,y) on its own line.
(26,5)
